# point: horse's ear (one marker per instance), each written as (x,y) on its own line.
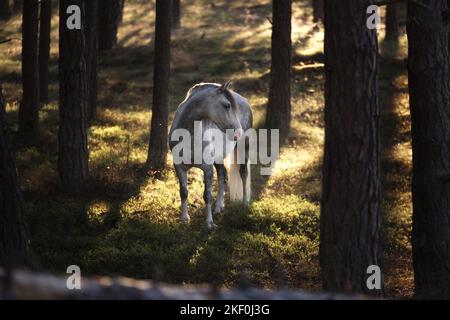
(225,86)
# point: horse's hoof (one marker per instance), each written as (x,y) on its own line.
(219,208)
(211,225)
(185,219)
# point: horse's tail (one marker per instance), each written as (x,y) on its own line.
(235,182)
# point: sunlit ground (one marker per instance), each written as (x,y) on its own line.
(126,223)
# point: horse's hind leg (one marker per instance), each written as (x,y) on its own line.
(222,178)
(244,173)
(208,173)
(243,170)
(182,178)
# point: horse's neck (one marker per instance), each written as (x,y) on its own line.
(189,113)
(207,125)
(190,119)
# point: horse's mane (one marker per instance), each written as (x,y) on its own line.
(227,93)
(200,86)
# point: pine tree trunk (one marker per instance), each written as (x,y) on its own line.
(92,40)
(17,5)
(350,206)
(29,108)
(157,152)
(318,10)
(110,16)
(279,105)
(429,72)
(13,229)
(73,108)
(44,48)
(5,10)
(176,14)
(392,29)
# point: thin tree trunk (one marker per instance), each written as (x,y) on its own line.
(110,16)
(157,152)
(5,10)
(176,14)
(13,229)
(74,95)
(29,109)
(92,39)
(318,10)
(44,48)
(350,206)
(429,71)
(392,29)
(17,5)
(279,105)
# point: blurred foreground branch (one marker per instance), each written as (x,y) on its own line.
(31,285)
(386,2)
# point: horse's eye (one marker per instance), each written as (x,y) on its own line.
(227,105)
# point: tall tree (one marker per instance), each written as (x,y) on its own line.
(92,42)
(392,28)
(110,16)
(176,13)
(13,230)
(350,205)
(429,71)
(29,108)
(73,100)
(5,10)
(17,5)
(157,151)
(44,48)
(318,10)
(279,105)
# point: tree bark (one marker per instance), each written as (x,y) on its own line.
(5,10)
(110,16)
(429,71)
(29,108)
(392,29)
(278,114)
(92,42)
(17,5)
(318,10)
(157,151)
(176,14)
(13,229)
(44,48)
(74,97)
(350,205)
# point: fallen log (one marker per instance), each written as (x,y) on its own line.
(28,285)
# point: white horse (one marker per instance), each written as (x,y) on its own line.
(215,107)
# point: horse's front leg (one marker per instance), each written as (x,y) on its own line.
(208,173)
(182,179)
(222,178)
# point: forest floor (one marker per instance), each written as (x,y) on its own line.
(127,222)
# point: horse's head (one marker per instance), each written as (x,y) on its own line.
(224,112)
